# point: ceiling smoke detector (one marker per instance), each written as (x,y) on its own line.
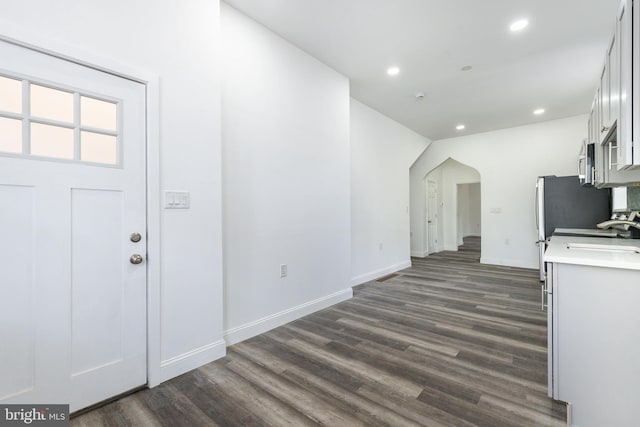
(420,96)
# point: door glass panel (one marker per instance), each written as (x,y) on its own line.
(62,124)
(10,135)
(98,148)
(10,95)
(98,114)
(51,141)
(51,104)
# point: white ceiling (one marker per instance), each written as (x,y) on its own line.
(553,64)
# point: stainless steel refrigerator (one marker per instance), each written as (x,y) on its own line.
(563,202)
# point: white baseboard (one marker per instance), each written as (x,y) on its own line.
(257,327)
(193,359)
(508,262)
(363,278)
(418,254)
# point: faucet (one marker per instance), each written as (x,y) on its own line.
(625,223)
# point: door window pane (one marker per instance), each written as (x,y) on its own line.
(51,104)
(98,148)
(61,123)
(98,114)
(10,95)
(51,141)
(10,135)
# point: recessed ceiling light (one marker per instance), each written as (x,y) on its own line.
(518,25)
(460,127)
(466,68)
(538,111)
(393,71)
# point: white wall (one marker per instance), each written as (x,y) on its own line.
(468,211)
(463,208)
(286,183)
(382,152)
(178,42)
(474,218)
(508,161)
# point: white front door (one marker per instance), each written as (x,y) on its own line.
(72,193)
(432,217)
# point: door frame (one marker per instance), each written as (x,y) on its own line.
(32,40)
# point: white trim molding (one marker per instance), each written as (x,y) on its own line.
(419,254)
(507,262)
(257,327)
(363,278)
(193,359)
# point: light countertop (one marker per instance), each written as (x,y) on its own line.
(591,232)
(594,251)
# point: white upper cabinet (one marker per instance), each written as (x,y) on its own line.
(624,31)
(635,78)
(595,126)
(614,120)
(609,89)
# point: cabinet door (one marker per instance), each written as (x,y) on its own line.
(609,90)
(635,77)
(592,137)
(625,48)
(613,65)
(603,110)
(599,156)
(552,350)
(597,343)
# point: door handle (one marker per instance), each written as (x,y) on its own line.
(136,259)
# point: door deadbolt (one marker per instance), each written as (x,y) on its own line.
(135,237)
(136,259)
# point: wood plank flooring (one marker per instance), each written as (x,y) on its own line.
(447,342)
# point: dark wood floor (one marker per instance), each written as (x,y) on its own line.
(447,342)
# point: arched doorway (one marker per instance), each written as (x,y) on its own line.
(452,212)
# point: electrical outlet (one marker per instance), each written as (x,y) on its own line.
(283,270)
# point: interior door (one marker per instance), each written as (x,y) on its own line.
(432,217)
(72,197)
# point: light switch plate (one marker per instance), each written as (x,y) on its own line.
(176,200)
